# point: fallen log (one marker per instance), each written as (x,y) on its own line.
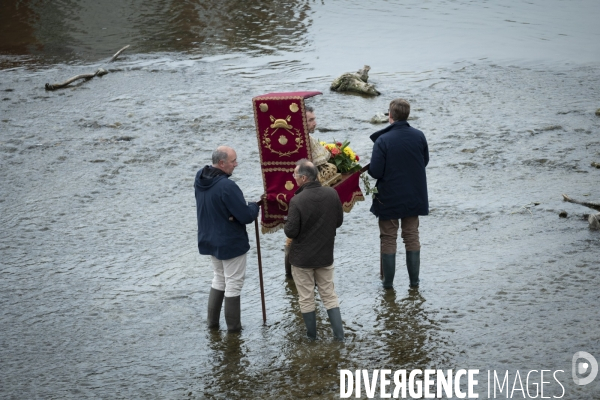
(593,205)
(87,77)
(593,219)
(355,82)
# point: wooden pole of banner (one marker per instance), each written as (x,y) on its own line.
(260,276)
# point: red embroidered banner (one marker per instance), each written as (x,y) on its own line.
(283,139)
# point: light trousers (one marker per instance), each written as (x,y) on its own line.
(305,279)
(229,275)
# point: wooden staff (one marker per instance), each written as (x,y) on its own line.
(260,277)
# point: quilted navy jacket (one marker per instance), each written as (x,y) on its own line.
(217,199)
(400,155)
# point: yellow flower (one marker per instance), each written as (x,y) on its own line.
(348,151)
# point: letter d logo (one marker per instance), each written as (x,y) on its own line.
(583,367)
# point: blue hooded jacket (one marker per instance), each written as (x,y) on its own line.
(217,199)
(400,155)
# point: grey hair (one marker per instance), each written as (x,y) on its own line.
(309,109)
(218,155)
(307,169)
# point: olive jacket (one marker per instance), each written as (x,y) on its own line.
(314,215)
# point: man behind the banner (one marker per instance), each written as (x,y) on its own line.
(319,157)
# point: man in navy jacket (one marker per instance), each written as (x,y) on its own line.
(222,217)
(400,155)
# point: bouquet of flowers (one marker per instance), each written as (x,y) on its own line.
(342,156)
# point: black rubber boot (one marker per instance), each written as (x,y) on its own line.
(288,266)
(232,314)
(215,301)
(310,320)
(389,269)
(413,264)
(336,323)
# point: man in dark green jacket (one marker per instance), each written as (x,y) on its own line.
(222,216)
(314,215)
(400,155)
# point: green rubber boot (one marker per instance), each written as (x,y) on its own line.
(310,320)
(413,264)
(232,314)
(335,318)
(388,262)
(215,301)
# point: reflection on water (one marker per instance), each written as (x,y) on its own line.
(229,365)
(335,36)
(68,29)
(407,331)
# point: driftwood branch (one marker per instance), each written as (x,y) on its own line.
(594,206)
(593,219)
(117,54)
(87,77)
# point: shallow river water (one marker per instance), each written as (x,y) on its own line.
(103,293)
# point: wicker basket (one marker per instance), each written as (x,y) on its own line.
(328,175)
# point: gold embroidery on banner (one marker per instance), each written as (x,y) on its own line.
(271,228)
(266,211)
(291,169)
(283,140)
(289,185)
(290,163)
(280,123)
(256,107)
(303,137)
(282,206)
(356,197)
(299,142)
(294,107)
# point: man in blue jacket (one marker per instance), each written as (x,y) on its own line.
(400,155)
(222,217)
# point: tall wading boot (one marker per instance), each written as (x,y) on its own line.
(413,264)
(388,262)
(310,320)
(335,318)
(215,301)
(288,266)
(232,314)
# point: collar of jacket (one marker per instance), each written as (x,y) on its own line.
(209,172)
(308,185)
(397,124)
